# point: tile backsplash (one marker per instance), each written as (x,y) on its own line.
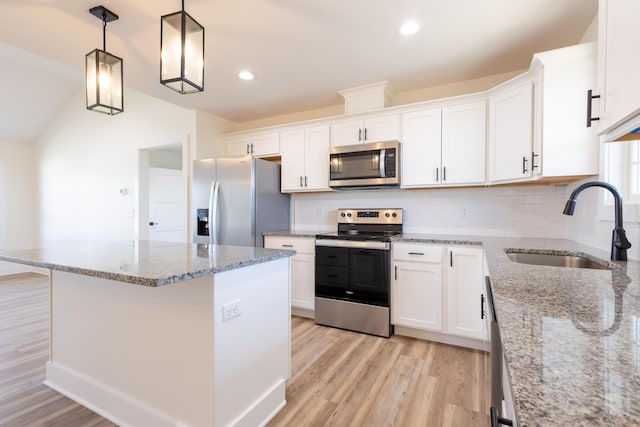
(518,211)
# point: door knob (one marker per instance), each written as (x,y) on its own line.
(151,223)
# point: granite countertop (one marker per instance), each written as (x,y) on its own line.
(145,263)
(571,336)
(288,233)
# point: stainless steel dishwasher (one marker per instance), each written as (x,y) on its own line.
(496,363)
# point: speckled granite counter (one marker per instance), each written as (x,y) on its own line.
(571,337)
(286,233)
(145,262)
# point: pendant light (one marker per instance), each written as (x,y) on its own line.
(104,72)
(181,52)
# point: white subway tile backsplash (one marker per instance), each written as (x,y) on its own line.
(519,211)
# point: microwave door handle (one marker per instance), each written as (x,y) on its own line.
(382,162)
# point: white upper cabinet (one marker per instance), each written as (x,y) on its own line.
(305,159)
(261,144)
(421,148)
(618,64)
(511,132)
(373,129)
(464,129)
(444,146)
(564,145)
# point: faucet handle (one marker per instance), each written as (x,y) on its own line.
(621,241)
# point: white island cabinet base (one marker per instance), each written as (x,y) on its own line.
(164,356)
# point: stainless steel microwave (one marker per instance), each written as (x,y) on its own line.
(365,165)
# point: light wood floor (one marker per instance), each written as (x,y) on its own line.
(339,378)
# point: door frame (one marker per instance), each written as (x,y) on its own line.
(141,229)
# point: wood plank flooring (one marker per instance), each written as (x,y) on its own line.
(342,378)
(339,378)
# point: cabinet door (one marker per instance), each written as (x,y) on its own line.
(238,146)
(316,175)
(302,268)
(417,295)
(293,155)
(420,150)
(464,143)
(510,133)
(619,57)
(303,281)
(265,144)
(383,128)
(347,133)
(464,290)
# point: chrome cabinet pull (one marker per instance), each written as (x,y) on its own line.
(524,165)
(444,173)
(300,180)
(590,98)
(287,246)
(533,160)
(359,134)
(451,258)
(395,267)
(248,149)
(437,174)
(306,181)
(365,134)
(416,253)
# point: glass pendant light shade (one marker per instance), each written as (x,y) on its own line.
(181,52)
(104,72)
(104,82)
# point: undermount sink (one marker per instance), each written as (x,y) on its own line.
(556,260)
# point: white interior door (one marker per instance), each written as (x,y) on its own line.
(167,211)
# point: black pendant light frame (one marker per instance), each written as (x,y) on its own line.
(181,83)
(98,56)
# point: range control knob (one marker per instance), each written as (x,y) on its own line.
(394,214)
(342,215)
(387,215)
(349,214)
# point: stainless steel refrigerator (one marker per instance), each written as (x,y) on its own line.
(237,199)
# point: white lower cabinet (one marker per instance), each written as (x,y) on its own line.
(302,268)
(465,292)
(416,295)
(439,290)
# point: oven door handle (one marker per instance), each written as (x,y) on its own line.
(368,244)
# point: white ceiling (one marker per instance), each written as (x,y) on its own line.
(301,51)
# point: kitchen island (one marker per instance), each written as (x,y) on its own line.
(166,334)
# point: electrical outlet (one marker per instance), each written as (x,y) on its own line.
(231,309)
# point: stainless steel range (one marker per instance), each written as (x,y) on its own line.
(353,271)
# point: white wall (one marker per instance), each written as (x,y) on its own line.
(84,158)
(19,195)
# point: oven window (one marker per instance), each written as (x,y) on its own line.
(360,165)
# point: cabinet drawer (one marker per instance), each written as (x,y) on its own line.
(301,245)
(417,252)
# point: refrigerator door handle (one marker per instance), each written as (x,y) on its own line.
(213,212)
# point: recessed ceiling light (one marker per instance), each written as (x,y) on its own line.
(245,75)
(409,28)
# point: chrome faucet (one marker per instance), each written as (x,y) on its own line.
(619,242)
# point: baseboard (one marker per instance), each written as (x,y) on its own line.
(111,404)
(303,312)
(443,338)
(265,408)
